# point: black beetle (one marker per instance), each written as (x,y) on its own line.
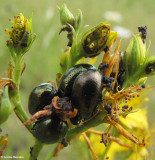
(40,97)
(87,92)
(66,84)
(50,130)
(83,85)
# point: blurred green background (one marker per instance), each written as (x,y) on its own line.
(42,61)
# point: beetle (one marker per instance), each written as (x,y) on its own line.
(40,97)
(66,84)
(50,129)
(77,99)
(83,84)
(87,92)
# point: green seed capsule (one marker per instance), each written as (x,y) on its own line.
(40,97)
(50,130)
(94,41)
(5,106)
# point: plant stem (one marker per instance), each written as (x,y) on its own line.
(15,93)
(17,70)
(35,150)
(51,154)
(19,109)
(93,122)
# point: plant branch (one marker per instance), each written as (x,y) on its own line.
(93,122)
(35,150)
(15,94)
(52,152)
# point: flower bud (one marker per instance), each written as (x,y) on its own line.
(20,35)
(78,19)
(66,16)
(94,40)
(5,106)
(135,61)
(135,54)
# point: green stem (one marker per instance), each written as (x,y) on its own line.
(35,150)
(74,52)
(93,122)
(17,70)
(15,94)
(51,153)
(19,109)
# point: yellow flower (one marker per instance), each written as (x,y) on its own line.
(20,34)
(136,119)
(139,117)
(19,27)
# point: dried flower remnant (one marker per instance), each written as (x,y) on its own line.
(143,31)
(4,141)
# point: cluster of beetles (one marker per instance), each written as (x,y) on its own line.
(80,91)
